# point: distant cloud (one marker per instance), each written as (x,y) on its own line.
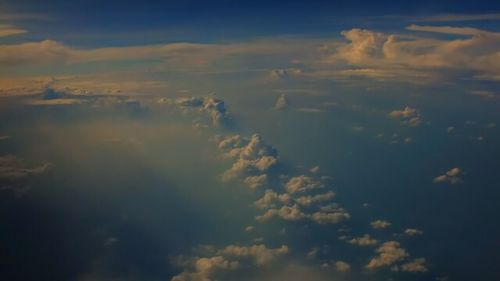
(365,240)
(342,266)
(15,173)
(408,115)
(452,176)
(417,265)
(256,181)
(413,232)
(9,30)
(214,108)
(281,102)
(388,253)
(253,158)
(303,183)
(216,262)
(380,224)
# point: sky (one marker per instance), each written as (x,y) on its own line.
(249,140)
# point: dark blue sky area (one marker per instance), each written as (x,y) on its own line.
(113,23)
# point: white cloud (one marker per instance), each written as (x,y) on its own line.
(408,115)
(380,224)
(413,232)
(256,181)
(271,199)
(260,253)
(253,157)
(9,30)
(342,266)
(388,253)
(418,265)
(314,199)
(229,258)
(303,183)
(452,176)
(365,240)
(289,213)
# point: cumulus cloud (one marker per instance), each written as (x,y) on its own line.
(452,176)
(253,158)
(380,224)
(365,240)
(303,183)
(256,181)
(409,116)
(229,258)
(388,253)
(271,199)
(342,266)
(315,199)
(404,57)
(289,213)
(416,265)
(214,108)
(260,253)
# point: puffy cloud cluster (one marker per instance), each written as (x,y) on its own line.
(388,253)
(365,240)
(293,205)
(303,183)
(409,116)
(452,176)
(230,258)
(416,265)
(213,107)
(15,172)
(384,56)
(253,159)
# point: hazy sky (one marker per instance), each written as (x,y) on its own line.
(249,140)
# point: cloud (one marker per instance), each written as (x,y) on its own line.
(260,253)
(330,216)
(380,224)
(214,108)
(281,102)
(289,213)
(389,56)
(409,116)
(229,258)
(303,183)
(413,232)
(9,30)
(342,266)
(15,172)
(388,253)
(256,181)
(271,199)
(417,265)
(315,199)
(253,157)
(365,240)
(452,176)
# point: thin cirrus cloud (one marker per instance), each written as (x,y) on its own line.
(9,30)
(360,53)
